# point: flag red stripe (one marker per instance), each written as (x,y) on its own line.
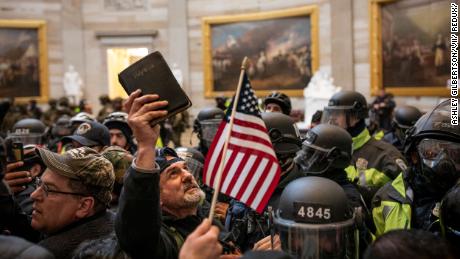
(252,138)
(229,164)
(249,150)
(248,179)
(215,169)
(238,173)
(260,181)
(249,124)
(270,190)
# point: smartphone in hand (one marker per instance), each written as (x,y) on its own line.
(15,152)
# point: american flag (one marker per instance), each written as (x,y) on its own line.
(251,169)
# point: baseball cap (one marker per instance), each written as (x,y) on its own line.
(165,157)
(120,159)
(90,134)
(85,165)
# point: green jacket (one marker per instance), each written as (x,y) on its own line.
(392,206)
(374,163)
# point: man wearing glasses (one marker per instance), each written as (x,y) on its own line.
(71,199)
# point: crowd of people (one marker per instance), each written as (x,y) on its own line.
(115,186)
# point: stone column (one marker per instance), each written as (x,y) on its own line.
(342,43)
(72,38)
(178,39)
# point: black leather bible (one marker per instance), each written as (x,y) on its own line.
(152,75)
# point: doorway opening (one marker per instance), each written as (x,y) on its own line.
(117,60)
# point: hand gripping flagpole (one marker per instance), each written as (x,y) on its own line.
(227,139)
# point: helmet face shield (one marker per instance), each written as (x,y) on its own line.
(26,139)
(313,159)
(338,115)
(333,240)
(209,130)
(433,151)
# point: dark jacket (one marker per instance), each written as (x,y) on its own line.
(12,247)
(374,163)
(391,138)
(102,248)
(353,195)
(12,219)
(142,230)
(63,243)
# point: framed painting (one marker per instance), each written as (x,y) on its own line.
(282,47)
(23,60)
(410,47)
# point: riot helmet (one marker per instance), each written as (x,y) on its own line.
(450,213)
(406,116)
(434,146)
(280,99)
(79,118)
(206,125)
(62,127)
(315,220)
(28,132)
(345,106)
(325,147)
(194,160)
(285,138)
(283,132)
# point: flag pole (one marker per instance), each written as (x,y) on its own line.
(227,139)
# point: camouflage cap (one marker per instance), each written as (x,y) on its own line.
(120,158)
(85,165)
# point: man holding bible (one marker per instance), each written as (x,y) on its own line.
(160,203)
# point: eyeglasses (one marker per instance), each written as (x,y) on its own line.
(39,183)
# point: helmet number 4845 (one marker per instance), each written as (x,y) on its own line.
(314,212)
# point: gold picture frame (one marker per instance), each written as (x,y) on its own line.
(231,37)
(24,60)
(379,19)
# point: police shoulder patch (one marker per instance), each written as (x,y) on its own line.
(361,163)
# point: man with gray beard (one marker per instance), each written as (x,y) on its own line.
(160,203)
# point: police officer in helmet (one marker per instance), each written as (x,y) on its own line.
(326,152)
(206,125)
(278,102)
(28,132)
(374,162)
(404,118)
(315,220)
(285,138)
(412,200)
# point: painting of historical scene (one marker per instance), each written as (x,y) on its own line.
(19,62)
(281,47)
(415,43)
